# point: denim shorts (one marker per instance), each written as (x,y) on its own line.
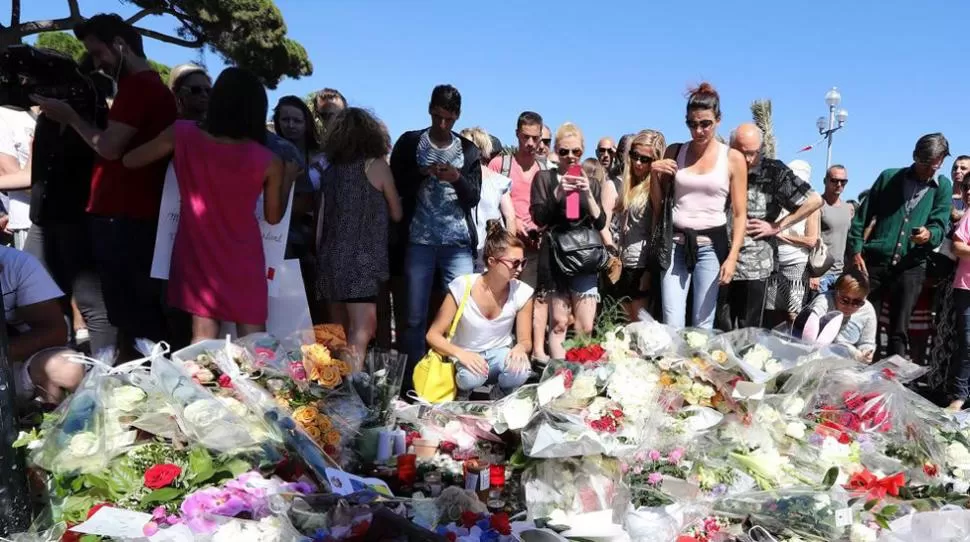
(579,286)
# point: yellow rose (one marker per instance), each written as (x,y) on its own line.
(324,423)
(719,356)
(345,368)
(316,353)
(305,415)
(314,433)
(330,377)
(331,437)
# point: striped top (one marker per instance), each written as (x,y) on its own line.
(438,218)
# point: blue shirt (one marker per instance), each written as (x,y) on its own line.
(438,218)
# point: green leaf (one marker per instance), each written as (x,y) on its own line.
(870,504)
(881,521)
(201,466)
(889,511)
(90,538)
(237,467)
(163,495)
(830,477)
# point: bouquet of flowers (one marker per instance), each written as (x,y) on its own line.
(812,514)
(648,472)
(560,489)
(762,354)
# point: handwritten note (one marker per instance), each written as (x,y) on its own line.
(274,236)
(115,523)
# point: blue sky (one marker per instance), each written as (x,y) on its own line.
(620,66)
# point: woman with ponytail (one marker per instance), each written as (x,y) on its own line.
(493,338)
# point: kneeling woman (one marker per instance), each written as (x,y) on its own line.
(493,305)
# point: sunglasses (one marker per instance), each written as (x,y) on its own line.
(852,302)
(842,182)
(637,157)
(197,90)
(514,264)
(695,124)
(566,152)
(547,141)
(603,150)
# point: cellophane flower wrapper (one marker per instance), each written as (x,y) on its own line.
(582,382)
(379,383)
(898,368)
(201,416)
(559,489)
(77,441)
(464,423)
(762,354)
(812,514)
(598,428)
(513,412)
(652,339)
(264,353)
(951,525)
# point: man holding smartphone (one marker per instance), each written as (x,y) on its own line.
(911,207)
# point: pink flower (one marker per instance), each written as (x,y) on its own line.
(654,478)
(640,456)
(297,371)
(676,455)
(150,529)
(654,455)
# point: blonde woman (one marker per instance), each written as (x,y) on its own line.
(633,216)
(567,288)
(496,199)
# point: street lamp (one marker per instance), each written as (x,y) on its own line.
(835,121)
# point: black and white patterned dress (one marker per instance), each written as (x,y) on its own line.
(352,249)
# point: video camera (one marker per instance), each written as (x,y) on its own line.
(26,70)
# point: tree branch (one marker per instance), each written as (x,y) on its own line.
(15,13)
(36,27)
(75,10)
(142,14)
(193,44)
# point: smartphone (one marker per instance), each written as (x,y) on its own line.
(572,197)
(914,231)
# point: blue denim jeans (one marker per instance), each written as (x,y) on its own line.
(507,380)
(677,281)
(420,265)
(960,385)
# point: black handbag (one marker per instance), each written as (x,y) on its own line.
(578,250)
(662,236)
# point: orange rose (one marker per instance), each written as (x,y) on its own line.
(330,377)
(331,438)
(314,433)
(324,423)
(345,368)
(305,415)
(666,380)
(316,353)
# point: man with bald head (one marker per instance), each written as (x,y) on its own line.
(772,187)
(605,152)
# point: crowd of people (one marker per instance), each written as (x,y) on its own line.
(505,253)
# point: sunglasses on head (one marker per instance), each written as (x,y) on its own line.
(695,124)
(604,150)
(637,157)
(842,182)
(197,90)
(851,301)
(566,152)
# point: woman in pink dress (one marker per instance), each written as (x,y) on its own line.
(218,272)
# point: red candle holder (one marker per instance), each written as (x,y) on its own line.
(496,475)
(407,470)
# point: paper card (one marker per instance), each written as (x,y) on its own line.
(748,390)
(274,235)
(551,389)
(344,483)
(115,523)
(843,517)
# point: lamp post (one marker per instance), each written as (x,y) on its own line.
(836,120)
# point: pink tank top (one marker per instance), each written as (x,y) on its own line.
(700,200)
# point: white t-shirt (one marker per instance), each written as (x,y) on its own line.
(25,282)
(476,333)
(494,187)
(791,254)
(16,132)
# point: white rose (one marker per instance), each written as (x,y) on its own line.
(861,533)
(83,444)
(516,413)
(126,398)
(234,406)
(772,366)
(695,339)
(795,430)
(204,413)
(794,405)
(584,387)
(958,455)
(767,415)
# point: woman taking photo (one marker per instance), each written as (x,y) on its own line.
(698,177)
(576,288)
(633,217)
(496,303)
(218,273)
(358,199)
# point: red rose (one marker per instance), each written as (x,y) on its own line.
(447,447)
(468,519)
(930,469)
(225,381)
(500,522)
(160,476)
(844,438)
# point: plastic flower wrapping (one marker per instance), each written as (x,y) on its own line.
(643,433)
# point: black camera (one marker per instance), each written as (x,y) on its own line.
(26,70)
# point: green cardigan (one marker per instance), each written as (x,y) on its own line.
(885,204)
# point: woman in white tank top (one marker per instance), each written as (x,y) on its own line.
(700,177)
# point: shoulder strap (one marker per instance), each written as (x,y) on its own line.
(506,164)
(543,166)
(461,306)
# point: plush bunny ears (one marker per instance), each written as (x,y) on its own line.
(811,329)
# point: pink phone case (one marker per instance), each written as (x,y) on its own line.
(572,198)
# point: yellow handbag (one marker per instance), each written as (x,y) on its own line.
(434,377)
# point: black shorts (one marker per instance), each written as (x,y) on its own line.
(628,286)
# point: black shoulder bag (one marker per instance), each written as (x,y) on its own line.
(662,236)
(577,249)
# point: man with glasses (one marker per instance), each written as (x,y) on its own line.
(836,219)
(327,103)
(543,156)
(911,208)
(191,86)
(772,187)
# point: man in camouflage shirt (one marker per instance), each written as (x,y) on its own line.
(772,186)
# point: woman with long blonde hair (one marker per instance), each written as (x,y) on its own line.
(633,216)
